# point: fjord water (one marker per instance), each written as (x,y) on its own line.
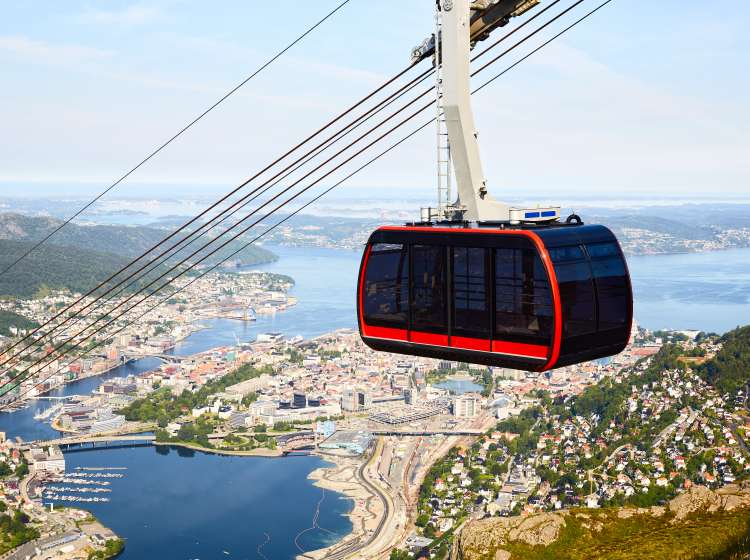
(191,505)
(178,504)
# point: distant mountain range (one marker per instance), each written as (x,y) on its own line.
(79,257)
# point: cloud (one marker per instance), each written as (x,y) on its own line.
(132,15)
(40,51)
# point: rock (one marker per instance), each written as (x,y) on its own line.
(695,499)
(480,539)
(538,530)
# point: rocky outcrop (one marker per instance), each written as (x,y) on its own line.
(700,498)
(480,539)
(488,538)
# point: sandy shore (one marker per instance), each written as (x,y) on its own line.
(342,477)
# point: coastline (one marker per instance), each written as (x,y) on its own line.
(258,452)
(341,477)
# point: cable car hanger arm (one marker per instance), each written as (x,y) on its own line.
(462,23)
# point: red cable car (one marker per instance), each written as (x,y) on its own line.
(531,299)
(518,288)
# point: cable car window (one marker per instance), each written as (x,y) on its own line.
(386,287)
(523,302)
(428,288)
(470,308)
(576,290)
(564,254)
(610,276)
(597,250)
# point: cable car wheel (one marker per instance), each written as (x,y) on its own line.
(529,297)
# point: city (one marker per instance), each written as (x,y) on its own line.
(339,280)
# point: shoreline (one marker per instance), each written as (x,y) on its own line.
(340,477)
(258,452)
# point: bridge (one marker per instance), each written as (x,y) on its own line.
(95,440)
(167,358)
(426,433)
(46,398)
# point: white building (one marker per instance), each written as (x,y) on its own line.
(49,460)
(466,406)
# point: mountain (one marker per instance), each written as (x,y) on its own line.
(699,524)
(729,370)
(122,241)
(53,267)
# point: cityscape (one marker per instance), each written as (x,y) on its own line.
(338,280)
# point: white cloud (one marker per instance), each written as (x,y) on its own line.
(57,54)
(132,15)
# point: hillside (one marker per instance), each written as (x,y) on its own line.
(700,524)
(729,370)
(53,267)
(123,241)
(9,319)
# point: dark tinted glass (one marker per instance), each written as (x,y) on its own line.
(609,271)
(428,288)
(569,253)
(523,302)
(387,286)
(576,290)
(470,306)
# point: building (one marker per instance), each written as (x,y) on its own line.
(466,406)
(349,400)
(411,396)
(325,429)
(356,400)
(46,461)
(299,400)
(349,442)
(364,400)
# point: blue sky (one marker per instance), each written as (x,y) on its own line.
(643,98)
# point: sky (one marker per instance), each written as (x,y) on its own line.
(643,99)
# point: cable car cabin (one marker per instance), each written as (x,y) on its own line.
(531,299)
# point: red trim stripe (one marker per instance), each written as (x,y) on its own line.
(386,332)
(520,349)
(480,344)
(428,338)
(554,355)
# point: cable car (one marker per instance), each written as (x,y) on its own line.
(532,299)
(478,280)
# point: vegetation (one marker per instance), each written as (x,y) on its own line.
(112,548)
(704,536)
(15,530)
(162,406)
(126,241)
(82,257)
(729,370)
(9,319)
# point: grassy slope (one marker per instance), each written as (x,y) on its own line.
(702,536)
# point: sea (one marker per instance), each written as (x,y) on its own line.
(178,504)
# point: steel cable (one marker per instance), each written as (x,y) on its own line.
(337,184)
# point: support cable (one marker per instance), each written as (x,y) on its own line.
(331,188)
(208,225)
(174,137)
